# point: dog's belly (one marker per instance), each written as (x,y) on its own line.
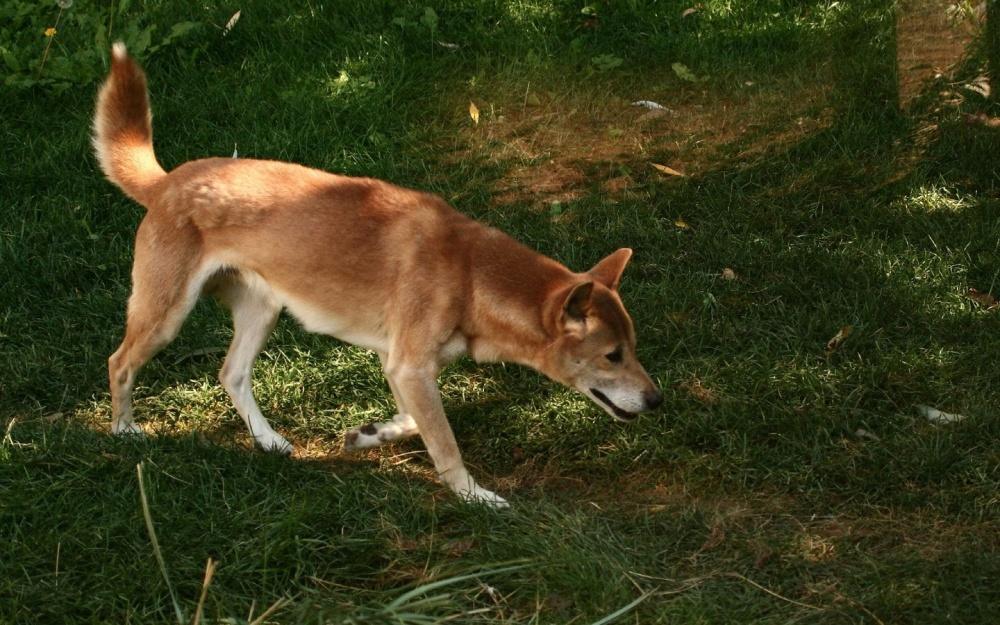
(354,329)
(349,324)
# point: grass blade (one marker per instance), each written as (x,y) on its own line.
(621,611)
(419,590)
(156,545)
(209,572)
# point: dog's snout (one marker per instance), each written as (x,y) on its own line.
(653,399)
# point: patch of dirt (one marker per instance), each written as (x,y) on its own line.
(567,146)
(931,38)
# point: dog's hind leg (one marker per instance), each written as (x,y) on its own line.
(374,434)
(255,312)
(165,287)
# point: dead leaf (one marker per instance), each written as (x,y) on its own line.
(670,171)
(232,22)
(729,274)
(448,46)
(699,391)
(680,223)
(532,99)
(936,416)
(474,112)
(690,11)
(649,104)
(839,338)
(985,300)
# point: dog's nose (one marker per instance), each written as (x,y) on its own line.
(653,399)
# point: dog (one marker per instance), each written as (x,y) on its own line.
(390,269)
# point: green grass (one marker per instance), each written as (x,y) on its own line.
(763,505)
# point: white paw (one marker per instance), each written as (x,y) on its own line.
(273,442)
(126,428)
(375,434)
(479,495)
(468,490)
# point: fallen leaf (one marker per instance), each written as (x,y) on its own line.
(699,391)
(532,99)
(985,300)
(649,104)
(689,11)
(232,22)
(474,112)
(448,46)
(728,274)
(666,170)
(680,223)
(936,416)
(839,338)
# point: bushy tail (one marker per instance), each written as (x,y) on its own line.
(123,129)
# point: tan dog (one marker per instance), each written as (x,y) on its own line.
(386,268)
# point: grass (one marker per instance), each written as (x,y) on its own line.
(781,482)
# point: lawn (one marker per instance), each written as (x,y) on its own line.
(787,478)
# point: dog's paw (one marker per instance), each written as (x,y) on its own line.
(375,434)
(275,443)
(123,428)
(479,495)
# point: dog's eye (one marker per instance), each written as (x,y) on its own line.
(615,356)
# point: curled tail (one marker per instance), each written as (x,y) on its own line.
(123,129)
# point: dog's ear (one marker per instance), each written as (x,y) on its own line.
(576,304)
(609,271)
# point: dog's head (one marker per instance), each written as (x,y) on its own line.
(593,349)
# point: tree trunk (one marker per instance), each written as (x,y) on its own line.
(993,46)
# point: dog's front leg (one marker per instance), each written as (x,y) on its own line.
(418,389)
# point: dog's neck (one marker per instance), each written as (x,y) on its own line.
(511,288)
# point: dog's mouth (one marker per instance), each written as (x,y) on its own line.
(623,415)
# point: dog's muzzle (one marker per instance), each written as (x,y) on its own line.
(652,399)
